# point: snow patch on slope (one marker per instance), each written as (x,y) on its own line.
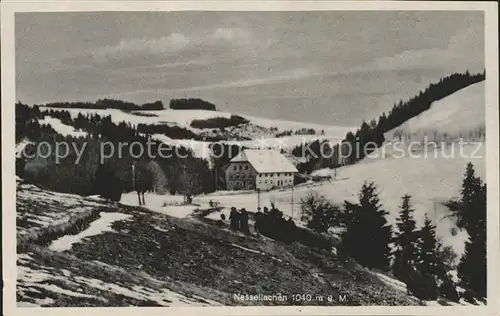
(61,128)
(103,224)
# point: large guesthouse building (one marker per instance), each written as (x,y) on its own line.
(259,169)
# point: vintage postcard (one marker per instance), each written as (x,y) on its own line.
(250,158)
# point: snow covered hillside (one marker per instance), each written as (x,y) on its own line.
(258,133)
(183,118)
(458,115)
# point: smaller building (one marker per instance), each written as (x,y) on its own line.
(259,169)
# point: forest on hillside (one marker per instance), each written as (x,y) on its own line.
(373,131)
(191,104)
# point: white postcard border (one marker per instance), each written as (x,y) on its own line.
(8,10)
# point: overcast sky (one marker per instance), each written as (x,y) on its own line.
(325,67)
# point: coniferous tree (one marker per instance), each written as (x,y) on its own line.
(427,262)
(472,266)
(319,213)
(105,182)
(406,239)
(421,279)
(348,148)
(446,262)
(470,212)
(368,235)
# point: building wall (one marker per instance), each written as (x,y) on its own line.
(267,181)
(240,176)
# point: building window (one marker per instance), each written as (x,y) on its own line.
(234,167)
(246,167)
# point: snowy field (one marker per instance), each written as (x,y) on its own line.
(183,118)
(456,115)
(201,149)
(165,204)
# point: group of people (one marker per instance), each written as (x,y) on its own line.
(272,224)
(269,222)
(239,220)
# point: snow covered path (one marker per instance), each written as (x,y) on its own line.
(166,204)
(103,224)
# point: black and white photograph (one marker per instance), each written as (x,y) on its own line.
(253,157)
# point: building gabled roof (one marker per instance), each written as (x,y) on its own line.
(265,161)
